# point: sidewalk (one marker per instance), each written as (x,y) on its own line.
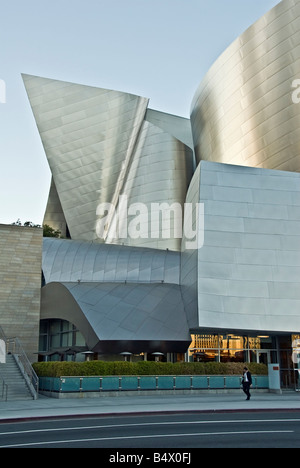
(46,407)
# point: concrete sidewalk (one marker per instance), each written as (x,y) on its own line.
(46,407)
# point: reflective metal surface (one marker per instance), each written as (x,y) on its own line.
(102,144)
(99,147)
(68,260)
(247,274)
(243,112)
(160,172)
(54,215)
(117,296)
(117,317)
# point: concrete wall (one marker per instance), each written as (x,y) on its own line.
(20,282)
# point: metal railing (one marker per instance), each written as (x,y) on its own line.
(3,384)
(14,347)
(4,387)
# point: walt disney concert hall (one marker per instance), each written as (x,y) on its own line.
(180,238)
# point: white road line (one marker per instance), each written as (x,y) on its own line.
(98,439)
(170,423)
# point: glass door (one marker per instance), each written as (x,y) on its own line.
(263,356)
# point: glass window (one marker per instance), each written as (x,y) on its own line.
(44,326)
(232,342)
(66,339)
(59,334)
(55,326)
(79,339)
(232,348)
(262,342)
(54,341)
(66,326)
(233,355)
(43,343)
(285,342)
(204,348)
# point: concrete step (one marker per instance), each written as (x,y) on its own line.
(17,388)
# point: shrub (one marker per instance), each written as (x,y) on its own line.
(58,368)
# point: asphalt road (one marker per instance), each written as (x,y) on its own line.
(176,432)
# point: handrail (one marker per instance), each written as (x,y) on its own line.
(4,389)
(4,385)
(15,348)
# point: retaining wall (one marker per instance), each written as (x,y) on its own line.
(107,385)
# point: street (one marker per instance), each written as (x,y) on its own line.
(157,432)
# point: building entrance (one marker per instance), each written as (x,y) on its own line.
(264,357)
(245,348)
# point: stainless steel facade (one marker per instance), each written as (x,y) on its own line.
(68,260)
(99,147)
(243,112)
(246,276)
(121,317)
(238,154)
(121,298)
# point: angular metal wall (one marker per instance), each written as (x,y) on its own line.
(88,135)
(246,276)
(99,147)
(54,215)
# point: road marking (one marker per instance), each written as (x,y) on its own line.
(78,428)
(98,439)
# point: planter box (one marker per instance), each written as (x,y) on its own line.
(143,383)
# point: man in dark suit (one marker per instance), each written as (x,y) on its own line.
(247,382)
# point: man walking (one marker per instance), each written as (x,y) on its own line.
(247,382)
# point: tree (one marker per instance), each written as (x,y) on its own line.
(26,224)
(49,231)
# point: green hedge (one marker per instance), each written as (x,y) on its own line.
(58,368)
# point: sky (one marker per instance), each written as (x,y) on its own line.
(158,49)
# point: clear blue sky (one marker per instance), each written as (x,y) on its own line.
(159,49)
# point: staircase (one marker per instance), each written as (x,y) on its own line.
(13,385)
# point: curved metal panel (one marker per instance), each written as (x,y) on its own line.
(57,303)
(68,260)
(121,317)
(243,112)
(158,178)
